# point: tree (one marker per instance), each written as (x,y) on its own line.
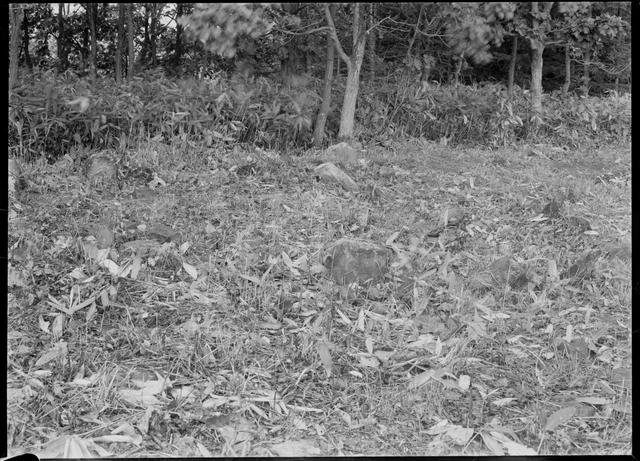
(63,49)
(92,18)
(120,43)
(325,106)
(25,39)
(353,63)
(130,35)
(153,32)
(595,32)
(15,22)
(177,56)
(567,70)
(512,64)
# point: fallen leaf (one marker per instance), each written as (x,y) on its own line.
(559,417)
(296,448)
(189,269)
(325,356)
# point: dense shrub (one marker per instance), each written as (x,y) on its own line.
(485,115)
(48,114)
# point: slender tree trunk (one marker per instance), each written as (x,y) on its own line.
(120,43)
(354,65)
(153,34)
(15,21)
(25,40)
(130,36)
(586,71)
(179,31)
(63,51)
(567,71)
(416,28)
(512,65)
(458,71)
(323,113)
(146,45)
(537,48)
(92,9)
(84,54)
(371,43)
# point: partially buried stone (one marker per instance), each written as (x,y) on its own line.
(162,233)
(352,260)
(101,170)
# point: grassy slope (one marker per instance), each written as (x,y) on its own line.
(244,342)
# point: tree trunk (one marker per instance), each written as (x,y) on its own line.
(586,71)
(567,71)
(120,43)
(416,28)
(144,51)
(130,36)
(537,48)
(25,40)
(458,71)
(325,106)
(63,50)
(179,31)
(512,65)
(371,43)
(85,49)
(15,21)
(92,9)
(153,34)
(354,64)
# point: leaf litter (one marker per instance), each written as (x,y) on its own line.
(248,347)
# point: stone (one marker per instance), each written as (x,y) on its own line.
(329,172)
(502,271)
(360,261)
(101,170)
(162,233)
(452,216)
(341,153)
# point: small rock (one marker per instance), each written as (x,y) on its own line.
(452,216)
(352,260)
(103,235)
(583,267)
(502,271)
(341,153)
(580,223)
(162,233)
(330,172)
(101,170)
(142,248)
(144,193)
(552,209)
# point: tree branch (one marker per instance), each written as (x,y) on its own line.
(334,35)
(356,24)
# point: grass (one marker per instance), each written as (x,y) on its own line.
(262,354)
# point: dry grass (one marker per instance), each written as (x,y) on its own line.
(261,354)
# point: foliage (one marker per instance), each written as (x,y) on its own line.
(222,26)
(219,110)
(484,115)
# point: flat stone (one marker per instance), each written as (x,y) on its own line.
(329,172)
(341,153)
(352,260)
